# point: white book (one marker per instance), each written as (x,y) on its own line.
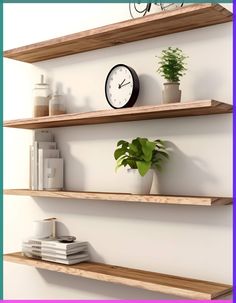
(68,262)
(70,257)
(42,154)
(32,251)
(36,146)
(54,244)
(31,170)
(43,135)
(31,246)
(35,166)
(30,255)
(63,252)
(47,145)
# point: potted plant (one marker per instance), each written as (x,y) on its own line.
(141,156)
(172,67)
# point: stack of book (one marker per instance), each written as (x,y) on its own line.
(54,251)
(46,166)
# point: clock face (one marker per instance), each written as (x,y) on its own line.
(122,86)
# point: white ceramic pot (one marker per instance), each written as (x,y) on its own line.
(139,184)
(171,93)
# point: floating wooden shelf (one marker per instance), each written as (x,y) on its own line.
(154,25)
(173,285)
(182,109)
(123,197)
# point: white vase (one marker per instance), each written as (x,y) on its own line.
(139,184)
(171,93)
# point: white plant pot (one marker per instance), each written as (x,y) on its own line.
(139,184)
(171,93)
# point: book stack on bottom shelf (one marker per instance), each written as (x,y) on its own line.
(46,166)
(54,251)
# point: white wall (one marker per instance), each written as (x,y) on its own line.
(181,240)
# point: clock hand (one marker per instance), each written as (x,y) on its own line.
(125,84)
(122,82)
(120,85)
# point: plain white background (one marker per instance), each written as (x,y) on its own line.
(181,240)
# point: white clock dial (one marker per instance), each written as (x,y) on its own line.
(119,86)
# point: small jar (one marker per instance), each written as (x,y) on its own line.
(57,105)
(41,99)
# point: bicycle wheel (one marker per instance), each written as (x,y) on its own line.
(170,6)
(139,9)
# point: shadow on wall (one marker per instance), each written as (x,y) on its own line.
(147,84)
(181,174)
(101,210)
(72,164)
(97,288)
(94,255)
(61,229)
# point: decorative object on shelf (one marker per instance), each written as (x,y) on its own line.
(46,245)
(172,67)
(170,6)
(53,174)
(142,156)
(54,251)
(141,9)
(66,239)
(43,229)
(46,166)
(57,104)
(41,98)
(122,86)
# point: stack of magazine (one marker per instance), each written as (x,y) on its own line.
(46,166)
(54,251)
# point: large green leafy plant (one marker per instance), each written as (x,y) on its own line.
(141,154)
(172,65)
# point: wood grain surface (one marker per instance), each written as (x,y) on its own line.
(123,197)
(168,284)
(153,25)
(172,110)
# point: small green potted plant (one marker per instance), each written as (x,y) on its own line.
(141,157)
(172,67)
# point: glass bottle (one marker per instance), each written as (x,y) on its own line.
(57,105)
(41,99)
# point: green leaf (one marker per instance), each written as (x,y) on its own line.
(133,148)
(147,148)
(123,143)
(119,152)
(132,163)
(143,167)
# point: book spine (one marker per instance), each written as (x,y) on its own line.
(40,169)
(30,167)
(35,165)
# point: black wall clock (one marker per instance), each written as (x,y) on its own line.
(122,86)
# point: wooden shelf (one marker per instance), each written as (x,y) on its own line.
(154,25)
(173,110)
(173,285)
(123,197)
